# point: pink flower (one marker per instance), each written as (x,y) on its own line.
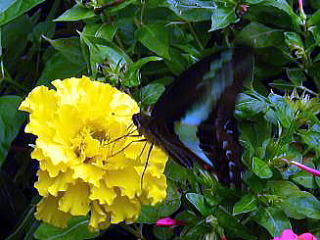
(168,222)
(307,236)
(307,169)
(243,8)
(288,234)
(303,167)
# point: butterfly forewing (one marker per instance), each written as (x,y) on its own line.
(193,119)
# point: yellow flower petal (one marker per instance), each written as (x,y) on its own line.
(99,219)
(154,188)
(75,200)
(47,211)
(43,183)
(123,208)
(89,173)
(130,187)
(103,194)
(46,164)
(41,103)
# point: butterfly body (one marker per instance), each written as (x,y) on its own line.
(193,119)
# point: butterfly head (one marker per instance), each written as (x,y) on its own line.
(142,122)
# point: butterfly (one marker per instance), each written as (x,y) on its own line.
(193,119)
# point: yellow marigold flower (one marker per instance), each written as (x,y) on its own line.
(89,162)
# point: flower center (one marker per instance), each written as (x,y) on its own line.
(91,146)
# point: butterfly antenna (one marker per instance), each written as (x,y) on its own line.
(146,164)
(125,147)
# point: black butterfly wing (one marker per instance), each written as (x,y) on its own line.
(193,119)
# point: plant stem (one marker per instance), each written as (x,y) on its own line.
(132,231)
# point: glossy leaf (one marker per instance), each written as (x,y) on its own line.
(275,13)
(155,37)
(199,202)
(151,93)
(192,10)
(235,228)
(272,219)
(69,48)
(261,168)
(58,66)
(258,35)
(77,229)
(295,203)
(75,14)
(11,9)
(222,17)
(247,203)
(10,122)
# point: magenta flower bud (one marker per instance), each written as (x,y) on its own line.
(168,222)
(307,236)
(307,169)
(288,234)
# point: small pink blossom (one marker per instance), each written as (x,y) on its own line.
(307,236)
(243,8)
(168,222)
(288,234)
(303,167)
(307,169)
(300,5)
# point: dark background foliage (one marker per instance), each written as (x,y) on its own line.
(140,46)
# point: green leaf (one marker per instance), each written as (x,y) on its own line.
(258,35)
(10,122)
(175,172)
(163,233)
(314,20)
(76,13)
(59,67)
(106,31)
(151,93)
(196,231)
(192,10)
(296,76)
(315,30)
(155,37)
(303,178)
(250,105)
(14,39)
(68,47)
(103,51)
(275,13)
(282,110)
(303,203)
(11,9)
(272,219)
(199,202)
(294,41)
(77,229)
(255,183)
(222,17)
(132,76)
(312,138)
(247,203)
(232,226)
(150,214)
(297,204)
(261,168)
(46,28)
